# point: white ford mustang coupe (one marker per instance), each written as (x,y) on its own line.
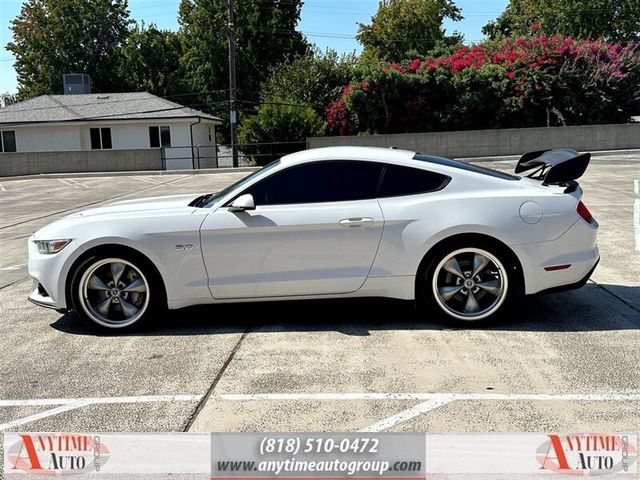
(463,241)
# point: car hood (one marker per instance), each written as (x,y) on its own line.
(141,204)
(130,212)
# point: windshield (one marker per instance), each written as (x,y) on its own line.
(214,197)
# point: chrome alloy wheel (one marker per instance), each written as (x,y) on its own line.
(114,293)
(470,284)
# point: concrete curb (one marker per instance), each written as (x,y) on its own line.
(200,171)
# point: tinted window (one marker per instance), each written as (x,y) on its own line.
(335,181)
(9,141)
(106,137)
(165,136)
(399,181)
(154,137)
(95,138)
(465,166)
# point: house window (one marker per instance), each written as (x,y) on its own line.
(159,137)
(209,130)
(100,138)
(8,141)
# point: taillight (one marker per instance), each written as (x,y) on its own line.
(584,212)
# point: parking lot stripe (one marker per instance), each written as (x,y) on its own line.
(68,404)
(68,184)
(39,416)
(431,401)
(599,397)
(636,213)
(79,207)
(147,180)
(636,222)
(75,182)
(405,415)
(14,267)
(2,188)
(43,402)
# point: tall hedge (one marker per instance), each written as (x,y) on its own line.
(515,82)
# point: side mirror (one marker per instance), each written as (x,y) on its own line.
(243,203)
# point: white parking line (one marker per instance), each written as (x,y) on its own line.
(75,182)
(636,213)
(431,401)
(67,183)
(70,182)
(147,180)
(602,397)
(405,415)
(68,404)
(14,267)
(2,188)
(40,415)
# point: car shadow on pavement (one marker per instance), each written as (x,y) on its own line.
(591,308)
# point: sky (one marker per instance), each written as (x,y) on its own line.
(327,23)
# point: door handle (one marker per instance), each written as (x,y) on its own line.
(355,222)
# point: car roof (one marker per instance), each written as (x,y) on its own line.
(443,165)
(348,153)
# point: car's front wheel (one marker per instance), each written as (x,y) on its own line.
(469,284)
(115,292)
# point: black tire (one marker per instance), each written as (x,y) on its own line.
(495,289)
(89,297)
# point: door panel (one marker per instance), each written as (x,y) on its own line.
(287,250)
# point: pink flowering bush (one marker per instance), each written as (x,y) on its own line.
(516,82)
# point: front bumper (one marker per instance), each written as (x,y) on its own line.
(48,273)
(42,300)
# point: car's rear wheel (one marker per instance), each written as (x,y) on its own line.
(115,292)
(469,284)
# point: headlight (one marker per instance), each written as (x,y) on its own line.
(47,247)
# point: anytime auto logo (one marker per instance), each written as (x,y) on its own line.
(57,454)
(590,454)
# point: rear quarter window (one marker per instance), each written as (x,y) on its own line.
(400,181)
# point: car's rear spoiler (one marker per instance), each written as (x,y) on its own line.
(555,167)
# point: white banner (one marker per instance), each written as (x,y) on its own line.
(529,455)
(107,455)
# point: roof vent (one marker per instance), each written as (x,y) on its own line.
(76,83)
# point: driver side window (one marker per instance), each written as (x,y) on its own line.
(331,181)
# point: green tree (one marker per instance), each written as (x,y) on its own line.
(316,78)
(612,20)
(150,61)
(402,28)
(278,120)
(54,37)
(266,36)
(7,98)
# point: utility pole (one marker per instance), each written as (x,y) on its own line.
(233,114)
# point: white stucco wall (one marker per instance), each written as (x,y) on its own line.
(136,135)
(47,138)
(206,149)
(124,136)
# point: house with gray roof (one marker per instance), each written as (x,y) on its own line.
(186,138)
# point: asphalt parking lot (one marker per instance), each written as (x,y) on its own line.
(567,362)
